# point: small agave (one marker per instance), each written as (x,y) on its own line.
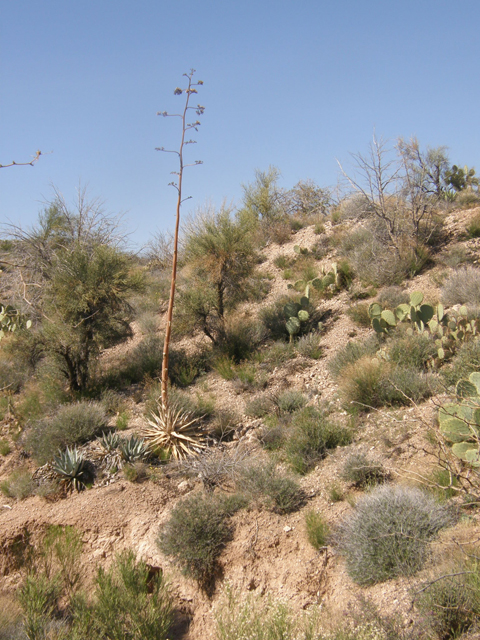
(133,449)
(109,441)
(69,465)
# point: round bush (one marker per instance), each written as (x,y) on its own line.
(387,533)
(73,424)
(462,287)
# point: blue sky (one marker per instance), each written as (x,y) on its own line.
(294,84)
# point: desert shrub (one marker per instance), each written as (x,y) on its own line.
(276,353)
(198,406)
(317,529)
(391,297)
(362,471)
(12,373)
(260,406)
(239,616)
(309,347)
(290,401)
(371,382)
(282,261)
(354,207)
(225,423)
(4,447)
(73,424)
(412,351)
(196,533)
(19,484)
(464,362)
(311,435)
(451,604)
(359,314)
(145,359)
(240,339)
(128,602)
(388,532)
(279,493)
(351,352)
(216,467)
(473,229)
(38,597)
(467,198)
(365,251)
(183,368)
(454,255)
(112,401)
(462,287)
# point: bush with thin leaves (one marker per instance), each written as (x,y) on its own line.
(450,603)
(128,602)
(462,287)
(276,491)
(362,471)
(73,424)
(388,532)
(317,529)
(196,533)
(311,435)
(351,352)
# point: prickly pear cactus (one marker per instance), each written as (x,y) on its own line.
(460,422)
(448,330)
(296,313)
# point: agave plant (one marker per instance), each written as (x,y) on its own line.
(109,440)
(133,449)
(70,466)
(174,430)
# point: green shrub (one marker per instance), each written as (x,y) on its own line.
(317,529)
(388,532)
(391,297)
(238,616)
(278,493)
(309,347)
(18,485)
(282,261)
(38,597)
(465,361)
(462,287)
(225,367)
(451,603)
(359,314)
(260,406)
(4,447)
(351,352)
(361,471)
(196,533)
(128,602)
(276,354)
(454,255)
(371,382)
(412,351)
(290,401)
(73,424)
(473,229)
(311,435)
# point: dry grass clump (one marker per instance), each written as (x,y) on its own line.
(462,287)
(362,471)
(73,424)
(372,382)
(388,531)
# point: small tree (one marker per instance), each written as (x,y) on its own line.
(188,92)
(220,257)
(72,277)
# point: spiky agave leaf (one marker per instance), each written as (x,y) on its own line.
(69,465)
(173,429)
(133,449)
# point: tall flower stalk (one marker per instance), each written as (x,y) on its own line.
(177,183)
